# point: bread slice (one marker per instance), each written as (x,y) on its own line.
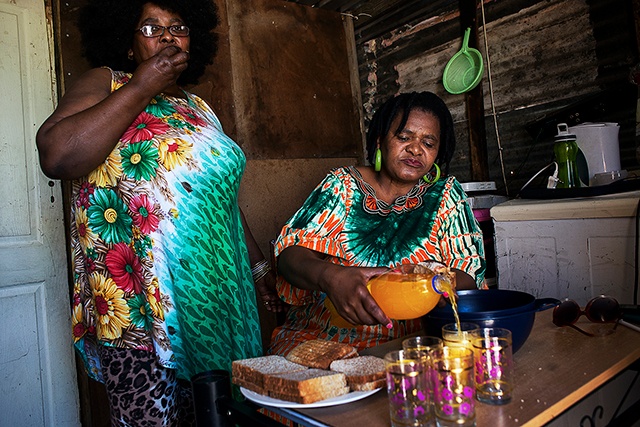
(305,383)
(310,398)
(320,353)
(369,386)
(249,386)
(251,373)
(363,372)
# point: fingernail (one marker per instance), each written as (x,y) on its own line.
(389,325)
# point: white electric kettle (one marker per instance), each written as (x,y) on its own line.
(600,146)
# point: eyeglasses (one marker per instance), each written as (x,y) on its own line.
(601,309)
(158,30)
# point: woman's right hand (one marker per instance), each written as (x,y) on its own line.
(160,72)
(90,118)
(346,287)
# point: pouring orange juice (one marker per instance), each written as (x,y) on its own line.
(408,291)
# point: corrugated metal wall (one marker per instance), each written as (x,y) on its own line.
(550,61)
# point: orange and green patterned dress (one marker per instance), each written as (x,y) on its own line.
(344,219)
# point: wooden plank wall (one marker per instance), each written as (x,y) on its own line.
(545,56)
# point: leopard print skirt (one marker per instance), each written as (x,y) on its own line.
(143,393)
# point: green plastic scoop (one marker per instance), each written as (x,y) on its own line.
(464,70)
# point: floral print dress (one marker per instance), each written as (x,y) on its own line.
(158,251)
(344,219)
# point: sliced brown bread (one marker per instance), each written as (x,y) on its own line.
(249,386)
(362,372)
(320,353)
(310,398)
(369,386)
(302,383)
(251,373)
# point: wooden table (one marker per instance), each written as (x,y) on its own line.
(554,369)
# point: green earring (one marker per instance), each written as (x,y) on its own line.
(428,177)
(378,160)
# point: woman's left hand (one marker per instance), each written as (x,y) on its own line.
(268,294)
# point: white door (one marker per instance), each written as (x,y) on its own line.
(38,385)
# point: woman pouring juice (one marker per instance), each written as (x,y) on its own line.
(362,220)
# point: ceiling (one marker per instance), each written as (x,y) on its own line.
(373,18)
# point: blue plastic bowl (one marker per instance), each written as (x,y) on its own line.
(494,308)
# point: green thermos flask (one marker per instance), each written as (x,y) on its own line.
(566,149)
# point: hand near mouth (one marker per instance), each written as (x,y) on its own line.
(161,72)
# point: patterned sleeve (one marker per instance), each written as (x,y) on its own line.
(317,226)
(459,234)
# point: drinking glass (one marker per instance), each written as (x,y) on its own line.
(453,337)
(454,387)
(494,365)
(407,388)
(425,343)
(421,342)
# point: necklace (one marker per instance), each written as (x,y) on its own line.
(371,204)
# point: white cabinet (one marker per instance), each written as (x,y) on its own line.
(568,248)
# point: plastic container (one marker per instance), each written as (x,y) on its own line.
(481,203)
(410,291)
(566,149)
(407,291)
(493,308)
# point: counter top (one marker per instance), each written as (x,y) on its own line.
(619,205)
(555,368)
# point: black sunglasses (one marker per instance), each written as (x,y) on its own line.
(601,309)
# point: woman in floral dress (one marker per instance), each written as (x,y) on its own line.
(359,221)
(161,256)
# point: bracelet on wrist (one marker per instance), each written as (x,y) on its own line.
(257,277)
(260,269)
(258,266)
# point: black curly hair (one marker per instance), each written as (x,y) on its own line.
(403,104)
(107,28)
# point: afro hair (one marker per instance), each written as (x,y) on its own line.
(107,28)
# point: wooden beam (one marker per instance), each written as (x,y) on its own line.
(474,100)
(636,19)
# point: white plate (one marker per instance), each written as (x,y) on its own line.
(340,400)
